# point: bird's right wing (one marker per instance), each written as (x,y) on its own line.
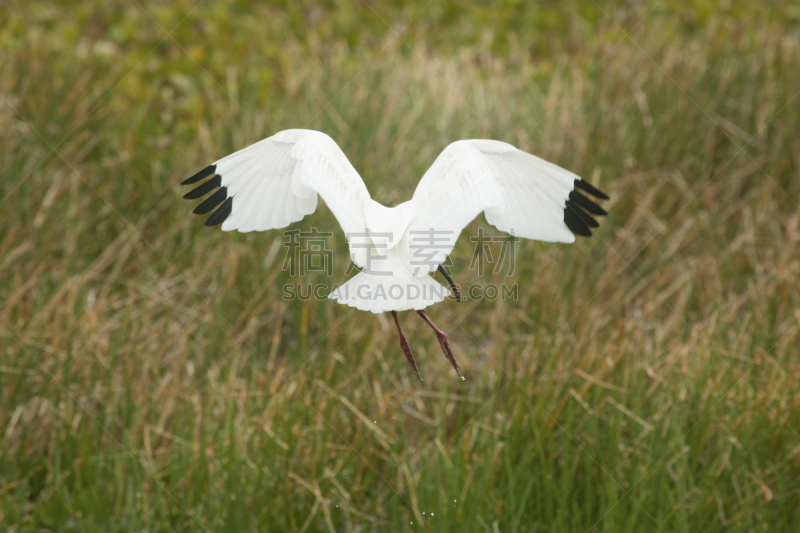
(276,181)
(520,194)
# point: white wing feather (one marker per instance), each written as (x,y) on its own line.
(520,194)
(277,181)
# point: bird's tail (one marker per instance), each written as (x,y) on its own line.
(397,292)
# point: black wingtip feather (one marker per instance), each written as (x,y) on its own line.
(211,202)
(587,204)
(575,224)
(219,216)
(589,221)
(204,189)
(580,184)
(210,169)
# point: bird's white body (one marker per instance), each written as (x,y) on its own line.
(392,279)
(277,181)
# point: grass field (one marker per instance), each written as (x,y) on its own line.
(153,379)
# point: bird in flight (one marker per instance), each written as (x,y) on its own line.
(278,180)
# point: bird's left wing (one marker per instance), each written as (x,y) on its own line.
(276,181)
(520,194)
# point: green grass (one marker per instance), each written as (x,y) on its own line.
(152,378)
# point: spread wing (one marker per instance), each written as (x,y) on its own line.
(519,193)
(277,181)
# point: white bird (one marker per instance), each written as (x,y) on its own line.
(277,181)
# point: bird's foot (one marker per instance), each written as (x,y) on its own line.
(448,352)
(405,346)
(410,356)
(443,342)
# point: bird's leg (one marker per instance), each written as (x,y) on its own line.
(443,342)
(452,284)
(406,348)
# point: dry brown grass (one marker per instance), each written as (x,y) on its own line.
(152,377)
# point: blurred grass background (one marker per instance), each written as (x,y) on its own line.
(152,378)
